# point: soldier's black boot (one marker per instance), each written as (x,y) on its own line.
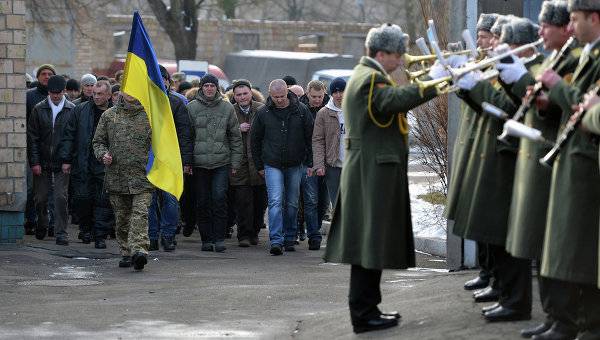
(40,233)
(100,243)
(167,243)
(125,262)
(139,260)
(86,237)
(153,245)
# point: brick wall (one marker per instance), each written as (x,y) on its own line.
(12,105)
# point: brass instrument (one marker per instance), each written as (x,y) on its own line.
(410,60)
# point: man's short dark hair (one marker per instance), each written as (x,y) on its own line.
(289,80)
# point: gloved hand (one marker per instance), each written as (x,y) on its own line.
(511,73)
(438,71)
(469,80)
(456,61)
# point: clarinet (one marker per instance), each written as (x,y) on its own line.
(565,135)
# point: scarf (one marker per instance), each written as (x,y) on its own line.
(56,108)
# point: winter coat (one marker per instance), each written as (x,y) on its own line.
(326,138)
(76,149)
(124,132)
(44,139)
(247,174)
(33,97)
(571,241)
(529,203)
(281,138)
(371,224)
(183,127)
(218,141)
(304,100)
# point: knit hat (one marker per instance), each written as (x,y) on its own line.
(88,79)
(289,80)
(56,84)
(486,21)
(554,12)
(519,31)
(241,82)
(584,5)
(500,21)
(209,78)
(387,37)
(72,85)
(337,85)
(45,67)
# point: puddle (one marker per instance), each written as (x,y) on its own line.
(70,272)
(60,283)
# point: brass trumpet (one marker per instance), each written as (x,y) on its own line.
(410,60)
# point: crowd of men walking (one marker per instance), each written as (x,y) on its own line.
(88,145)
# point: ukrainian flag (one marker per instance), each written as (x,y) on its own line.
(142,80)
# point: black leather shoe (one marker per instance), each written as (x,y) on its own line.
(153,245)
(314,244)
(557,332)
(374,324)
(86,238)
(476,283)
(506,314)
(188,230)
(394,315)
(62,241)
(168,244)
(289,246)
(487,295)
(125,262)
(489,308)
(29,228)
(139,260)
(51,232)
(535,330)
(100,243)
(276,250)
(40,233)
(254,240)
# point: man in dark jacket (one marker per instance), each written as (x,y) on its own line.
(164,211)
(87,173)
(45,129)
(249,191)
(281,143)
(34,96)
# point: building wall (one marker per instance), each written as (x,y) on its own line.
(12,117)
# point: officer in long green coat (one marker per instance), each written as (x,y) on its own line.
(492,177)
(570,252)
(460,158)
(529,203)
(371,227)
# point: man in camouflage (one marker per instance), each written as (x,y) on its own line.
(122,142)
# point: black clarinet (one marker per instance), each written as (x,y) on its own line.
(538,87)
(565,135)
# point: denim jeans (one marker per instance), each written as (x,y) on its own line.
(211,197)
(283,190)
(163,215)
(310,194)
(332,177)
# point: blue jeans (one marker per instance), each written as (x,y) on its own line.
(283,191)
(310,195)
(163,215)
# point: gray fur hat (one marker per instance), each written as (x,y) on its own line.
(387,37)
(486,21)
(519,31)
(584,5)
(554,12)
(500,21)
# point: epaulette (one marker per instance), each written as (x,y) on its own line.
(576,52)
(595,52)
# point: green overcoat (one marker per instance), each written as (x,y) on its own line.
(371,224)
(529,203)
(592,122)
(571,239)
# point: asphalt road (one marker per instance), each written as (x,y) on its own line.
(78,292)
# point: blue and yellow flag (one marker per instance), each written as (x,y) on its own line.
(142,80)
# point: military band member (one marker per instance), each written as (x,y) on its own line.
(491,174)
(371,227)
(570,253)
(529,203)
(460,157)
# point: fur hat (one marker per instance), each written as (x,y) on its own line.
(387,37)
(486,21)
(554,12)
(584,5)
(56,84)
(519,31)
(88,79)
(45,67)
(500,21)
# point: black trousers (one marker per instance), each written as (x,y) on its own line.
(365,293)
(188,201)
(95,213)
(485,260)
(545,289)
(514,280)
(250,205)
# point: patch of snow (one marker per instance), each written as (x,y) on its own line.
(427,219)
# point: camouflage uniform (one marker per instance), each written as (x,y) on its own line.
(124,132)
